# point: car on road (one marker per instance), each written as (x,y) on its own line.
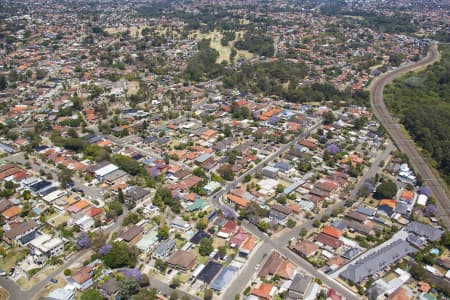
(257,266)
(2,273)
(11,271)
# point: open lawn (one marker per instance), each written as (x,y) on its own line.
(133,88)
(133,30)
(200,259)
(224,51)
(60,219)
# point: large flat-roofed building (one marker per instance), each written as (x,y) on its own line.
(377,261)
(46,246)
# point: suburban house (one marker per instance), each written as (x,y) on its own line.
(164,249)
(21,234)
(300,287)
(136,195)
(182,260)
(83,278)
(304,248)
(110,288)
(45,246)
(279,213)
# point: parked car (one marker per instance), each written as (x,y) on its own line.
(53,280)
(11,271)
(2,273)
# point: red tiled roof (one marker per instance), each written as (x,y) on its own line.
(332,231)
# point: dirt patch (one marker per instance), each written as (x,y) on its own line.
(49,287)
(3,294)
(133,88)
(38,277)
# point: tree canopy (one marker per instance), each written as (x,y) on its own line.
(422,104)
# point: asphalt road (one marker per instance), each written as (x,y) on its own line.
(279,242)
(16,293)
(403,143)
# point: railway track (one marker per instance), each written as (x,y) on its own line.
(406,145)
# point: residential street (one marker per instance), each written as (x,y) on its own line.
(280,242)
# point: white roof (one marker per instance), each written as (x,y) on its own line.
(54,195)
(46,242)
(106,170)
(212,186)
(422,200)
(197,270)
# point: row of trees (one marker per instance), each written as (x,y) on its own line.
(421,102)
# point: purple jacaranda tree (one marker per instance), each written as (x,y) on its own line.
(332,149)
(134,273)
(105,249)
(83,241)
(430,210)
(425,191)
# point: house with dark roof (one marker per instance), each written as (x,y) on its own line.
(198,236)
(376,261)
(132,235)
(300,287)
(271,265)
(427,231)
(136,195)
(279,213)
(110,288)
(22,233)
(209,272)
(358,227)
(356,216)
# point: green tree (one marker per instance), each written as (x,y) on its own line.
(160,265)
(226,172)
(206,247)
(119,256)
(291,223)
(328,117)
(91,294)
(146,294)
(3,83)
(386,190)
(163,232)
(65,177)
(175,283)
(208,295)
(128,286)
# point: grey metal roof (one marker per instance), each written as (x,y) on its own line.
(300,283)
(164,248)
(224,278)
(427,231)
(377,261)
(366,211)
